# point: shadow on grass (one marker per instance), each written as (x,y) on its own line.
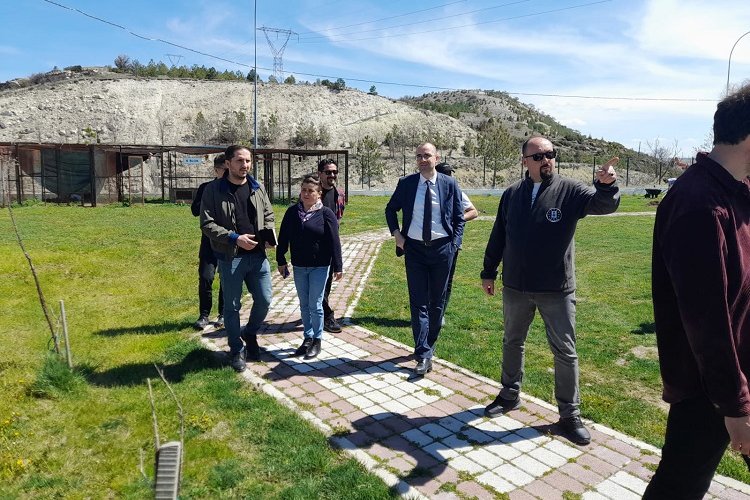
(644,328)
(137,373)
(384,322)
(166,327)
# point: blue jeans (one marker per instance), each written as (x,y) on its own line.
(311,283)
(254,271)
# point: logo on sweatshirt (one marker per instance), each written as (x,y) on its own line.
(554,215)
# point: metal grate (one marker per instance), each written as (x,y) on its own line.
(168,459)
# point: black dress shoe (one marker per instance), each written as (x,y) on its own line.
(573,429)
(252,349)
(423,366)
(237,361)
(314,349)
(501,406)
(201,323)
(304,347)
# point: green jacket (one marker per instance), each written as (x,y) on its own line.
(217,215)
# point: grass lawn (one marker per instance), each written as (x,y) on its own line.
(128,278)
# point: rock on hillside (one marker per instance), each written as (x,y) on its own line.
(163,111)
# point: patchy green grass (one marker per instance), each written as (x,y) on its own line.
(128,279)
(620,382)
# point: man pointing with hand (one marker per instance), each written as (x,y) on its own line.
(533,237)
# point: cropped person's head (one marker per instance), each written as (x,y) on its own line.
(732,117)
(219,165)
(444,168)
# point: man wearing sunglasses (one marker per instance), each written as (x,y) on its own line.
(533,237)
(431,233)
(334,199)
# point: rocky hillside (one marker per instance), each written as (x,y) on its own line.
(111,108)
(98,105)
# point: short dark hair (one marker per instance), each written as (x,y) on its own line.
(444,168)
(219,160)
(732,117)
(312,178)
(326,161)
(229,152)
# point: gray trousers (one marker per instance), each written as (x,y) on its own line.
(558,310)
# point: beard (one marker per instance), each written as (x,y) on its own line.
(545,173)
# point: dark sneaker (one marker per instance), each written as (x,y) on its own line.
(331,325)
(238,361)
(304,347)
(314,350)
(201,323)
(219,323)
(501,406)
(573,429)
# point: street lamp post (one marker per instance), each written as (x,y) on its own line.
(729,64)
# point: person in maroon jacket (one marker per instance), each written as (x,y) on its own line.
(701,294)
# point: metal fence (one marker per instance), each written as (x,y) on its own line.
(90,174)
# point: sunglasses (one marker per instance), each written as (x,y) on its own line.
(550,155)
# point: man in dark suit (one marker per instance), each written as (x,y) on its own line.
(433,226)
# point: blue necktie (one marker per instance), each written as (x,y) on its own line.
(427,221)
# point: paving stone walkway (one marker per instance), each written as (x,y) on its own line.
(427,436)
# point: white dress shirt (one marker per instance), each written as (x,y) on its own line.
(417,218)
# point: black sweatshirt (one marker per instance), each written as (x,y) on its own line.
(314,243)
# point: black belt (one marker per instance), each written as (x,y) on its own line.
(430,243)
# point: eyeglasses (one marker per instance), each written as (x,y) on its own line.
(426,156)
(331,172)
(550,155)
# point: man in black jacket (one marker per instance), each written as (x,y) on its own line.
(533,236)
(238,218)
(207,263)
(332,198)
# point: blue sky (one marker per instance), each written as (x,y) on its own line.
(665,59)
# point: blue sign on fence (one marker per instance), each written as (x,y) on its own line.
(192,160)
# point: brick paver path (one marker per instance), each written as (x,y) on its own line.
(427,436)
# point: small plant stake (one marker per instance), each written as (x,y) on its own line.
(68,356)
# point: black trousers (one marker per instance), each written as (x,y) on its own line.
(206,272)
(450,281)
(327,311)
(694,443)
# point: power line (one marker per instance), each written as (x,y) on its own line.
(396,84)
(387,18)
(453,16)
(448,28)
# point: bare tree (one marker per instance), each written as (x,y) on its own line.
(662,156)
(122,62)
